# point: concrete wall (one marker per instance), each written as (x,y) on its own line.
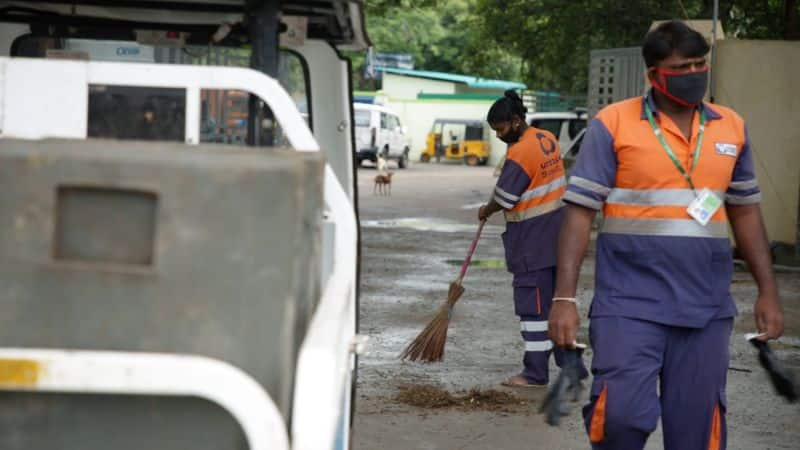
(759,80)
(403,87)
(419,115)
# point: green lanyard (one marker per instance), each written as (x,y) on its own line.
(668,149)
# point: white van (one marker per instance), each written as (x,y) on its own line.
(565,125)
(379,131)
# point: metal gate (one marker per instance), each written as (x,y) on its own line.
(614,74)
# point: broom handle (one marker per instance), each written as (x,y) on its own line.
(470,252)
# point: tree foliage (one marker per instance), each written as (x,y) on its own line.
(441,35)
(546,43)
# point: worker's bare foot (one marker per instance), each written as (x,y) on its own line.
(520,381)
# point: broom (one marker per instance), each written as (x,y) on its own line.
(429,345)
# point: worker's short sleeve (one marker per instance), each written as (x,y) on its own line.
(743,188)
(595,170)
(511,184)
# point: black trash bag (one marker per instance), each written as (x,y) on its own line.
(568,387)
(782,379)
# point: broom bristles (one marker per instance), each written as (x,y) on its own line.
(428,346)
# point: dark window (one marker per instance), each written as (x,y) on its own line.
(575,126)
(551,125)
(136,113)
(474,133)
(577,147)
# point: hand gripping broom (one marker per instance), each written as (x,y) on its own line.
(429,345)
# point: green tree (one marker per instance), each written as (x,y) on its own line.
(546,43)
(554,37)
(441,35)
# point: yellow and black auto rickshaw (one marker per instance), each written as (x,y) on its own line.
(462,139)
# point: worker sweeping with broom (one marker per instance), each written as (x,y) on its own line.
(529,191)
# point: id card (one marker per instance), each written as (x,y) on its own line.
(704,206)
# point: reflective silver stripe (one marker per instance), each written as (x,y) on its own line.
(505,194)
(543,190)
(540,325)
(743,200)
(538,346)
(653,197)
(665,227)
(589,185)
(519,216)
(503,202)
(744,185)
(582,200)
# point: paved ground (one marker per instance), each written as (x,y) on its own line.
(411,241)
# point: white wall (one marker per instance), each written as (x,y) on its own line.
(403,87)
(419,115)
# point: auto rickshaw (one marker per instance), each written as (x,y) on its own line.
(457,139)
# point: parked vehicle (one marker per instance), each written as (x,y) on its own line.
(379,132)
(465,140)
(565,125)
(180,265)
(570,152)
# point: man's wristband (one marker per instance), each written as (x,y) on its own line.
(566,299)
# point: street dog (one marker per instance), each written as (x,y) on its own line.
(382,164)
(383,184)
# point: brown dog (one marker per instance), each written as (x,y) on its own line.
(383,184)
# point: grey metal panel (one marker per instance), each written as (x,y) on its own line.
(614,75)
(235,273)
(95,422)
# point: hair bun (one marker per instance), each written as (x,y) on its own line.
(512,94)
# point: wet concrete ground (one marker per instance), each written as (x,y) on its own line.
(412,245)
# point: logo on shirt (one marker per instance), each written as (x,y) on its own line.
(547,145)
(726,149)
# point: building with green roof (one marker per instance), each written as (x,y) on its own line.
(421,84)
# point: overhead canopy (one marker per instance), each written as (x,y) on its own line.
(340,22)
(473,82)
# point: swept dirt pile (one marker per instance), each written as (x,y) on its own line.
(432,397)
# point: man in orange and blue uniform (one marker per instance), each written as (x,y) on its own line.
(668,172)
(529,191)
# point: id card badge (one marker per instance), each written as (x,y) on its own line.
(704,206)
